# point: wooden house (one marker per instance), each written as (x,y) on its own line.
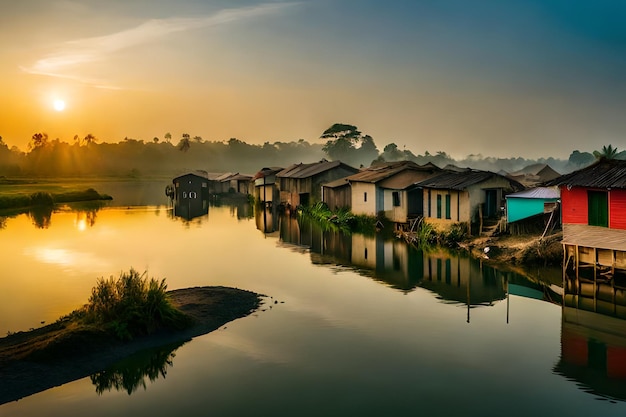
(265,185)
(469,197)
(233,182)
(389,188)
(240,183)
(593,213)
(301,184)
(337,194)
(190,195)
(190,186)
(529,209)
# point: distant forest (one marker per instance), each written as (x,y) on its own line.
(137,158)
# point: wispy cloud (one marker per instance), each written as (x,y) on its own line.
(66,62)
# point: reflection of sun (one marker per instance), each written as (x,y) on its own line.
(58,104)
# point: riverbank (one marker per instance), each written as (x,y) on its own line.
(59,353)
(45,199)
(518,250)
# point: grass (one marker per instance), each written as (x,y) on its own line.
(426,235)
(47,199)
(131,305)
(341,219)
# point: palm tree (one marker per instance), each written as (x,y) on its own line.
(168,137)
(185,143)
(89,139)
(607,152)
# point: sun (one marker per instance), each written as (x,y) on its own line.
(58,104)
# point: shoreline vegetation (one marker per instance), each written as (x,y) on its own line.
(40,199)
(124,316)
(511,251)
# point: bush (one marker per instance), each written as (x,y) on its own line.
(41,199)
(132,305)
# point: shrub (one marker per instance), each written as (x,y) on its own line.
(41,199)
(132,305)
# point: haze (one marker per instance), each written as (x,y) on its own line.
(532,78)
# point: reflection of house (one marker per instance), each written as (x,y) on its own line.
(301,184)
(593,336)
(462,279)
(534,174)
(265,187)
(468,197)
(593,211)
(390,188)
(539,203)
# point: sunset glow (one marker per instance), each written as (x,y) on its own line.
(530,79)
(59,105)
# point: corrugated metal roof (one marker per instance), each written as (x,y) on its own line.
(309,170)
(452,180)
(337,183)
(267,171)
(406,178)
(538,192)
(379,172)
(240,177)
(605,173)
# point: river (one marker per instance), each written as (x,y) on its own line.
(351,324)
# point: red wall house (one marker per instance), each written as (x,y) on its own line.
(574,206)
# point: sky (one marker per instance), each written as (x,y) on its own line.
(529,78)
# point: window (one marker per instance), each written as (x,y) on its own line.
(448,216)
(438,206)
(396,198)
(364,196)
(192,194)
(598,204)
(184,194)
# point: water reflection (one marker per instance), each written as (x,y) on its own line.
(593,335)
(454,277)
(266,217)
(41,217)
(131,373)
(190,208)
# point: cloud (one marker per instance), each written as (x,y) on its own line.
(72,54)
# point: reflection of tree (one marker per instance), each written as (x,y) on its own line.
(130,373)
(41,216)
(88,211)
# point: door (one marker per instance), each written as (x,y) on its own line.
(491,203)
(598,208)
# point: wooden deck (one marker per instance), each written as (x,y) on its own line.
(594,237)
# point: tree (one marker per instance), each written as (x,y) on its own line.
(168,137)
(607,152)
(38,140)
(89,139)
(197,139)
(185,143)
(77,140)
(580,159)
(155,139)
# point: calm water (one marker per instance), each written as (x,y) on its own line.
(356,325)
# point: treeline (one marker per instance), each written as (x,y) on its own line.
(135,158)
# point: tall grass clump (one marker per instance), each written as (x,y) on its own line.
(342,219)
(132,305)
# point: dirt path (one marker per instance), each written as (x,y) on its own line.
(68,356)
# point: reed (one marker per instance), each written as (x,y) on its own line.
(132,305)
